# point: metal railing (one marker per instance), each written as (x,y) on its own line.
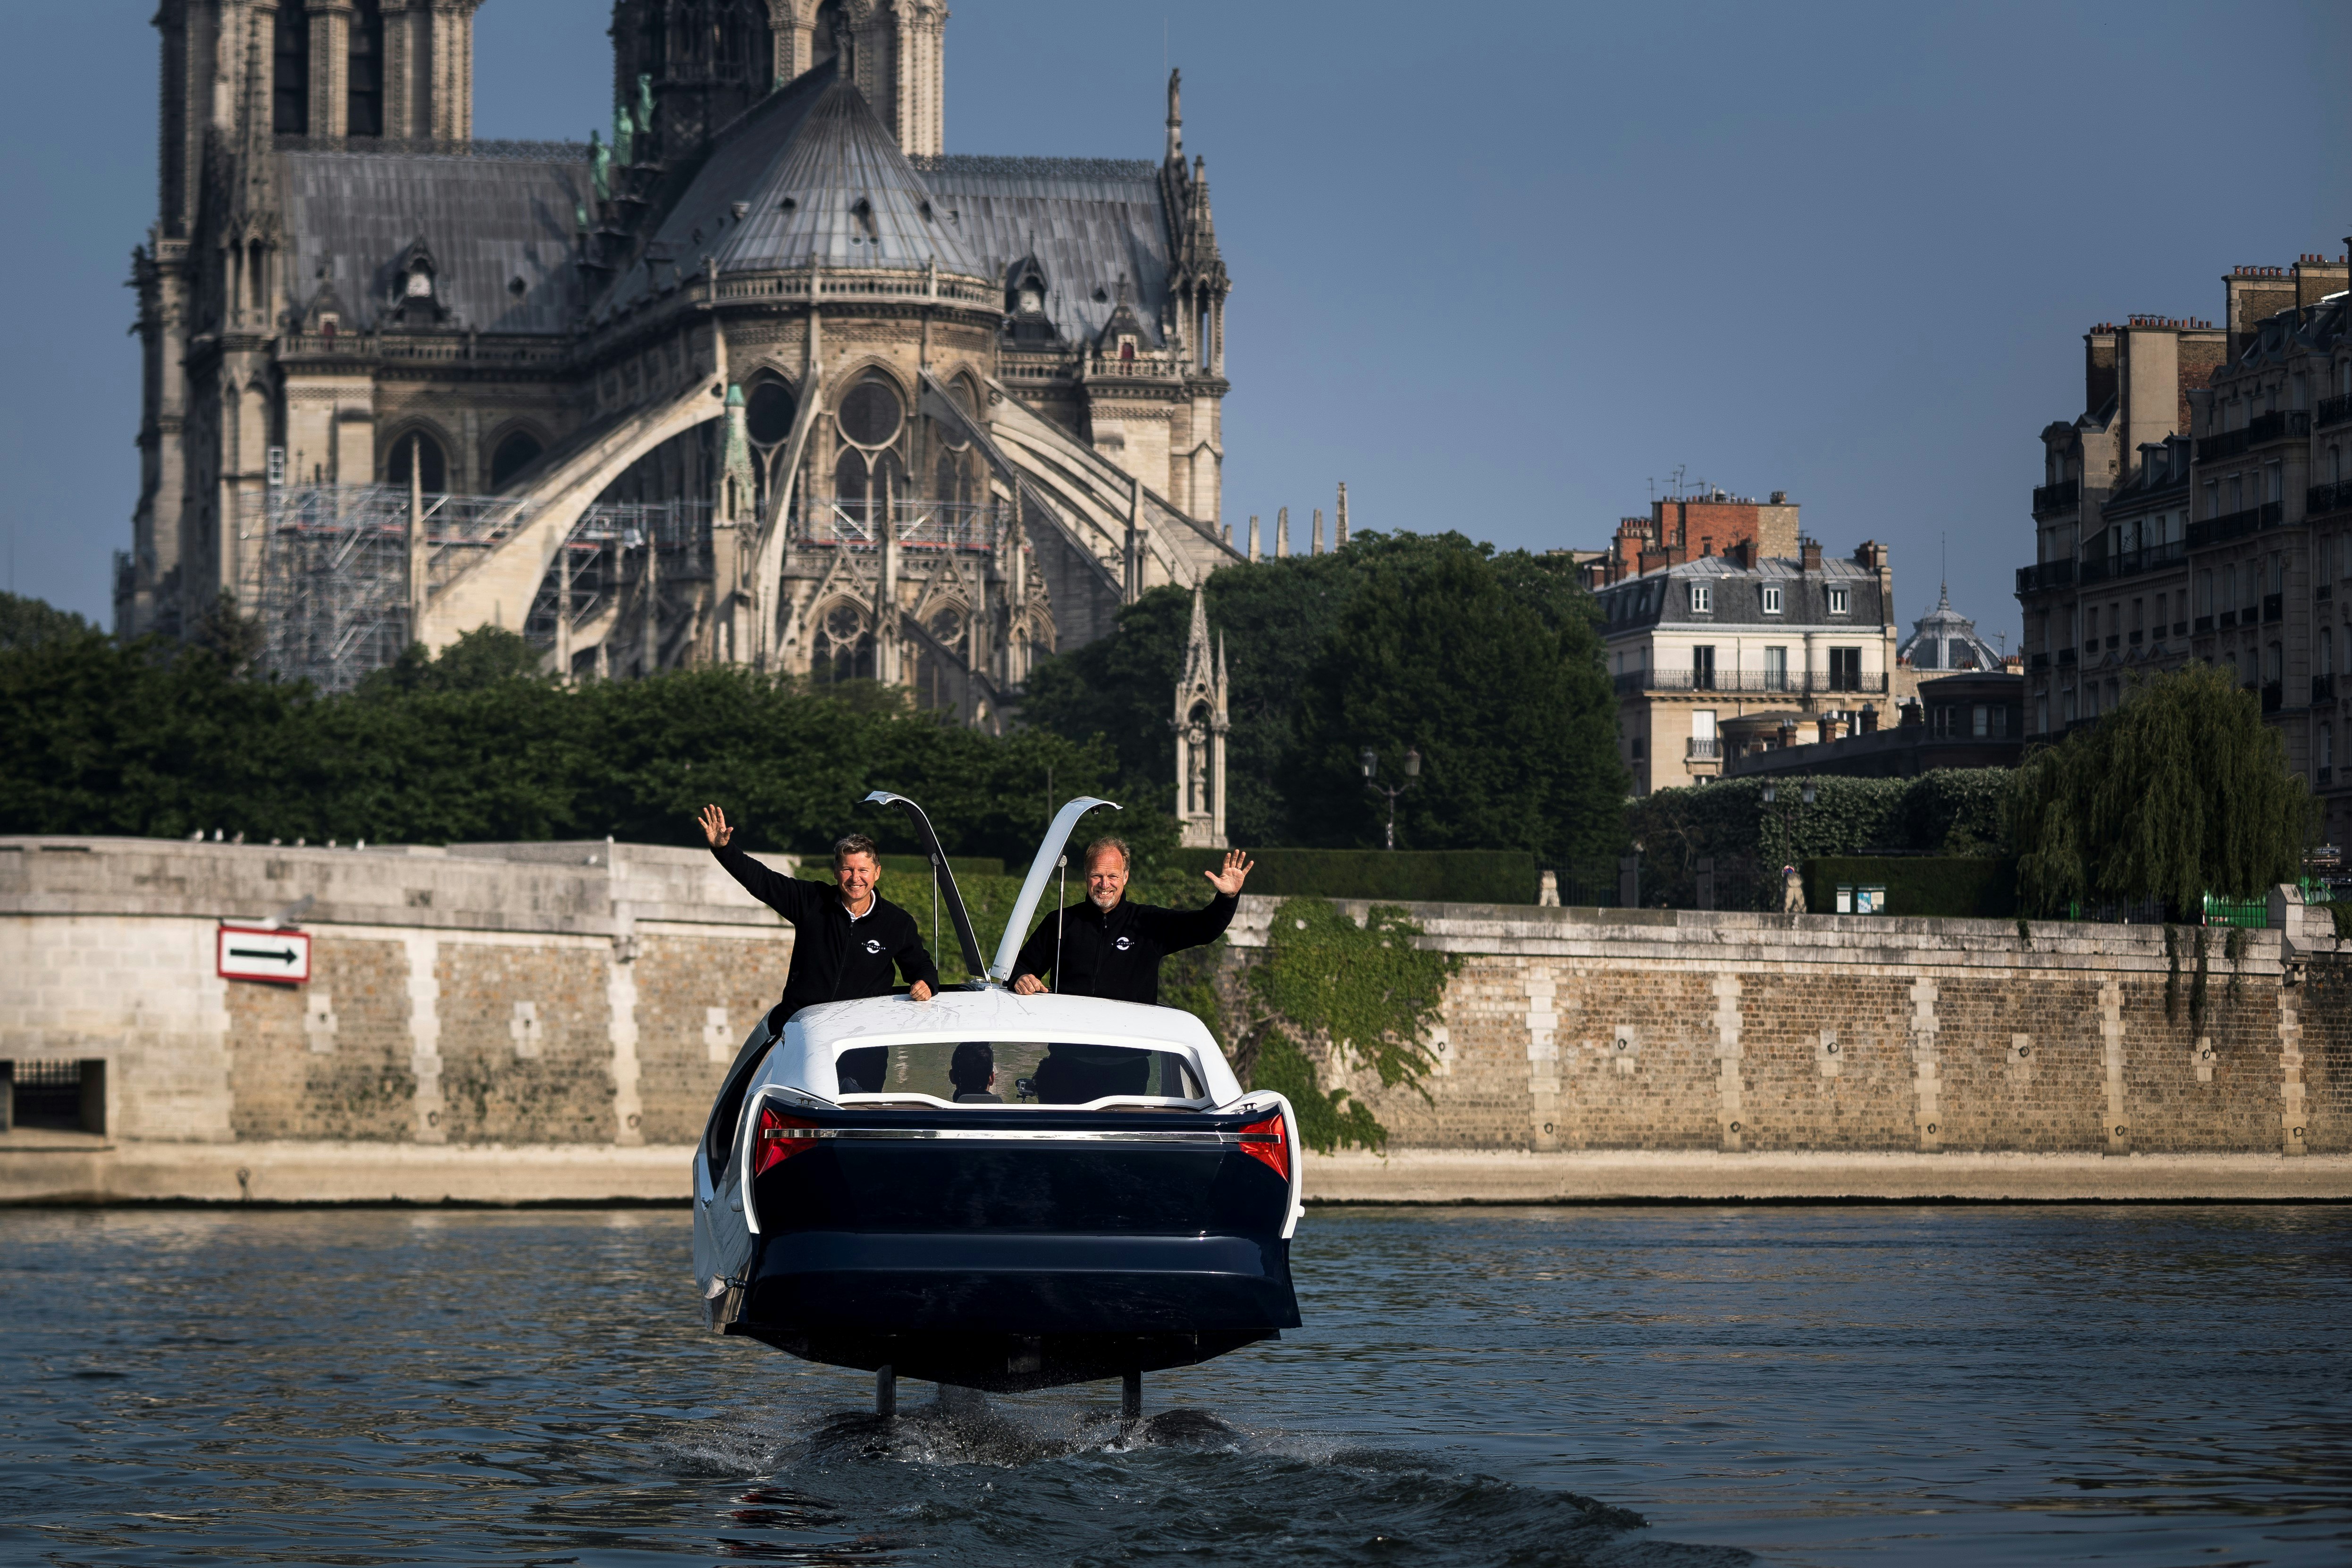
(2279,424)
(1704,748)
(916,525)
(2326,498)
(2053,498)
(2332,411)
(1796,682)
(2127,563)
(2236,524)
(2049,574)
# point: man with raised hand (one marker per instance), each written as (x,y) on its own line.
(1108,947)
(846,939)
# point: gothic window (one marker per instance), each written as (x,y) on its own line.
(843,649)
(872,412)
(768,415)
(365,80)
(406,450)
(515,453)
(935,672)
(290,109)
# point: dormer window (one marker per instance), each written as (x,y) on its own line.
(1837,601)
(1702,598)
(1126,349)
(1772,600)
(420,284)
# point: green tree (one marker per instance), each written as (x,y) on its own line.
(25,622)
(1494,673)
(2178,791)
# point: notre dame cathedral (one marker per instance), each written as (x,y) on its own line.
(761,375)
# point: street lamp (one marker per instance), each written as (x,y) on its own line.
(1369,760)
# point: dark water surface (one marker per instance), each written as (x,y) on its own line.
(1814,1385)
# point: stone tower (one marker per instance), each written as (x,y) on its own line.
(1201,724)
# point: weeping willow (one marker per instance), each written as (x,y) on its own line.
(2179,791)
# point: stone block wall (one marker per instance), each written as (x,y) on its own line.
(1683,1031)
(592,995)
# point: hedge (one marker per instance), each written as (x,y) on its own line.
(1395,876)
(1955,885)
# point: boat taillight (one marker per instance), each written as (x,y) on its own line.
(779,1139)
(1269,1141)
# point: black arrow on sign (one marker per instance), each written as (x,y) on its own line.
(283,954)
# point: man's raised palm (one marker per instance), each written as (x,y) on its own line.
(1229,880)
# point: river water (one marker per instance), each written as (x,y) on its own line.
(1911,1386)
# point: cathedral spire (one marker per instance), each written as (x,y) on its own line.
(1175,121)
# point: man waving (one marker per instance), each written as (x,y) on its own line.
(1108,947)
(845,939)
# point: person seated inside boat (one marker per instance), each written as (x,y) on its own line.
(1076,1074)
(972,1071)
(846,939)
(1109,945)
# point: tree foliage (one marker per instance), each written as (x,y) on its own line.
(1488,663)
(2178,791)
(164,739)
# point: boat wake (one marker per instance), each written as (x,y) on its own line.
(1051,1482)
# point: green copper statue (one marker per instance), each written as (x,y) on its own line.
(624,136)
(600,166)
(645,105)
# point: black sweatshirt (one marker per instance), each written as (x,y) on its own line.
(1117,956)
(834,958)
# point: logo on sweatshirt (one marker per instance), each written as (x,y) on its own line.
(872,945)
(1124,943)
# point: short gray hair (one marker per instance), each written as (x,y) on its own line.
(1125,856)
(855,844)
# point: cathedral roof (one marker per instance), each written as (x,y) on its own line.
(489,220)
(1086,221)
(818,176)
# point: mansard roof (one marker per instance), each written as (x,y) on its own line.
(819,178)
(1086,221)
(494,215)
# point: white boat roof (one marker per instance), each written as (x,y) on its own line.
(998,1015)
(817,1035)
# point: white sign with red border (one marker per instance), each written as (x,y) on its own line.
(254,952)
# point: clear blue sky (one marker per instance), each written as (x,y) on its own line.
(1498,267)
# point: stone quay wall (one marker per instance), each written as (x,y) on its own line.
(516,1022)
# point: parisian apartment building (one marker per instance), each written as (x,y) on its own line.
(2200,507)
(1721,617)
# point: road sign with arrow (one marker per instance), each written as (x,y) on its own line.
(252,953)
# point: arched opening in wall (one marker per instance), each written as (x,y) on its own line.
(825,38)
(868,475)
(939,675)
(414,448)
(364,81)
(1208,326)
(843,649)
(290,95)
(768,413)
(517,451)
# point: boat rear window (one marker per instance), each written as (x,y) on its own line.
(1026,1073)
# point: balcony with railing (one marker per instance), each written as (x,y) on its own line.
(2057,498)
(2236,524)
(2279,424)
(2327,499)
(2332,411)
(2066,657)
(1795,683)
(2049,574)
(1704,748)
(2130,562)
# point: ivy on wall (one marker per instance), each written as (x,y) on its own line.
(1324,986)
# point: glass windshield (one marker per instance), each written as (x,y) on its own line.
(1026,1072)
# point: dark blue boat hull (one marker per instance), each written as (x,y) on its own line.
(913,1240)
